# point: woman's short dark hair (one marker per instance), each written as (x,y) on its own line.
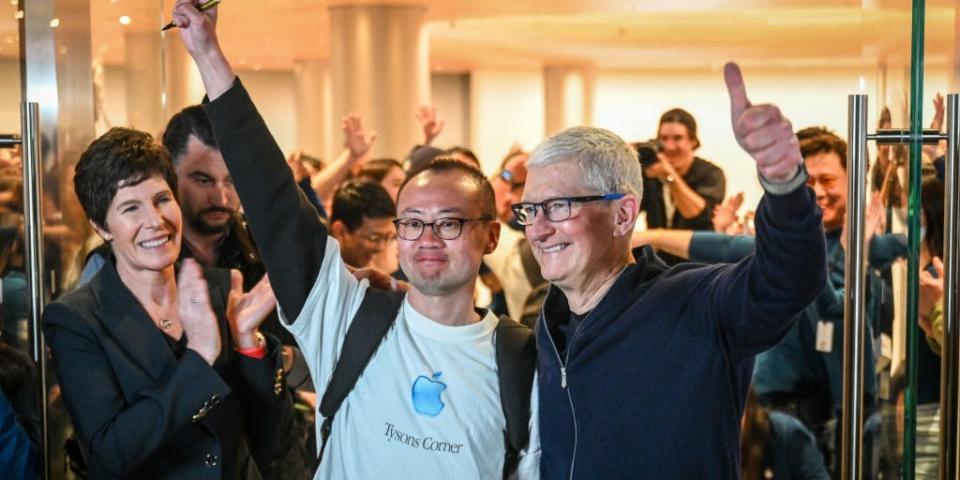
(121,157)
(683,117)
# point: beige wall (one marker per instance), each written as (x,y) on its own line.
(9,96)
(273,92)
(630,104)
(451,96)
(490,109)
(506,106)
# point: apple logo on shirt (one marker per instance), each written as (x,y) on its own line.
(426,394)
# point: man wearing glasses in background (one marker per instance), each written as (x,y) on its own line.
(643,369)
(361,221)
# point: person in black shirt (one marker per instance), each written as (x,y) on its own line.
(681,189)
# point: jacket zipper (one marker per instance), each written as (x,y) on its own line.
(563,384)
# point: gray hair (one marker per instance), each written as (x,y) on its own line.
(609,165)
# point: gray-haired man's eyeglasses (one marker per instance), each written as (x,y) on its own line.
(556,209)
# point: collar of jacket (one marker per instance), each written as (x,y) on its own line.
(126,321)
(624,292)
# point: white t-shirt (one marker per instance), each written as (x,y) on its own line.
(428,403)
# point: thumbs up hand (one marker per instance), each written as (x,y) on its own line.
(762,131)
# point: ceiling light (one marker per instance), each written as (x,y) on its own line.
(55,23)
(14,2)
(18,15)
(125,20)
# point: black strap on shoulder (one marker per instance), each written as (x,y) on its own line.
(376,315)
(516,363)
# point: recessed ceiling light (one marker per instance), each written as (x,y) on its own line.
(55,23)
(18,15)
(125,20)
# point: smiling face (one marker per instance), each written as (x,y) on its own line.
(677,145)
(438,267)
(828,179)
(572,253)
(143,226)
(358,247)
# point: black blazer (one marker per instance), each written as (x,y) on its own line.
(140,412)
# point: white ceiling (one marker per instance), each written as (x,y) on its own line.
(675,34)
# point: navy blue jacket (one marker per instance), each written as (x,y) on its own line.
(791,452)
(795,366)
(654,378)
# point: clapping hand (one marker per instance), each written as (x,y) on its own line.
(246,311)
(196,316)
(762,131)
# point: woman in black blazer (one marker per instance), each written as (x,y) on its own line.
(165,378)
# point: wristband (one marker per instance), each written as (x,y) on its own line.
(257,352)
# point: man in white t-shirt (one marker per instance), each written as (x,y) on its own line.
(428,402)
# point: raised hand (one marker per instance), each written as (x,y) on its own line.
(246,311)
(199,34)
(937,112)
(725,214)
(196,316)
(296,166)
(427,116)
(356,139)
(197,29)
(762,131)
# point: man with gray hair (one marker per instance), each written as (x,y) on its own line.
(643,369)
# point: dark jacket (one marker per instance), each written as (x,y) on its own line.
(653,380)
(142,412)
(791,452)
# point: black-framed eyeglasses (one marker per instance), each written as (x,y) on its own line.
(446,228)
(557,209)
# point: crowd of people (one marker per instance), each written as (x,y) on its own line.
(247,314)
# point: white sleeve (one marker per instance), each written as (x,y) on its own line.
(529,465)
(326,314)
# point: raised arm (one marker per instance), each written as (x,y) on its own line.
(357,143)
(758,298)
(291,238)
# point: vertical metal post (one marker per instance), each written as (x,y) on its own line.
(854,315)
(33,235)
(950,361)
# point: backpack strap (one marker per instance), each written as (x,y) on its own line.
(376,315)
(516,363)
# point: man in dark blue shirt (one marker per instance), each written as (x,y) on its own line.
(643,369)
